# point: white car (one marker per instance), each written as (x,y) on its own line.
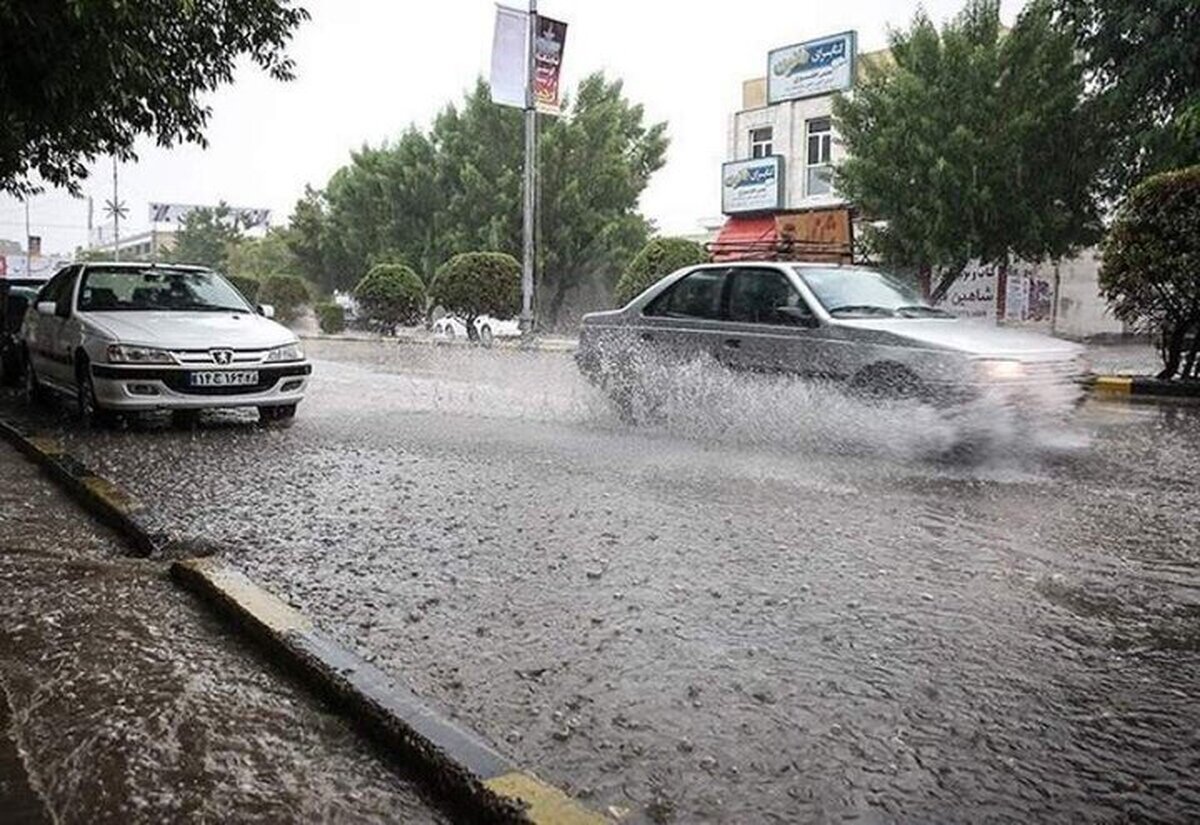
(450,327)
(128,337)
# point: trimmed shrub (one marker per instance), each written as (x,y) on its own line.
(478,283)
(286,293)
(659,257)
(249,287)
(331,317)
(1150,266)
(391,294)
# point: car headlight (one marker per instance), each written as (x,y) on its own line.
(126,354)
(1000,369)
(289,352)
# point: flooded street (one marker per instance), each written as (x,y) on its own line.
(771,603)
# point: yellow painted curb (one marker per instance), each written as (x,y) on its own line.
(110,494)
(44,444)
(271,611)
(1117,384)
(545,804)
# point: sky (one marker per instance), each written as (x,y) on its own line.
(367,69)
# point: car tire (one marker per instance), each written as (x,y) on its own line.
(486,337)
(10,367)
(90,410)
(35,393)
(278,412)
(185,419)
(887,382)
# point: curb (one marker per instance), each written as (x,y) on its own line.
(146,533)
(457,763)
(501,344)
(1146,387)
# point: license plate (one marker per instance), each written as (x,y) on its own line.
(241,378)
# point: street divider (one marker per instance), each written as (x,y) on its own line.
(1144,387)
(458,765)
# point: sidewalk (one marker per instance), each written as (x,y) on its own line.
(123,700)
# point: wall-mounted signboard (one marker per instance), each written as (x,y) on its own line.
(752,185)
(818,67)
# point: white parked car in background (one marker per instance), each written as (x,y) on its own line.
(450,328)
(126,337)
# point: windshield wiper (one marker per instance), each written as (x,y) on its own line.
(861,309)
(204,308)
(921,309)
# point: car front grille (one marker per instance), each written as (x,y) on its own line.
(179,380)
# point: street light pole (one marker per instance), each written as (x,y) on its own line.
(529,245)
(28,250)
(116,215)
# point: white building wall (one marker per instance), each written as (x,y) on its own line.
(1080,311)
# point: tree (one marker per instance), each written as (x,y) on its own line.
(457,188)
(478,283)
(1150,269)
(1143,65)
(392,294)
(659,257)
(972,144)
(260,258)
(82,79)
(304,239)
(286,293)
(205,238)
(249,287)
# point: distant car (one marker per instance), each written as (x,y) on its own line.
(126,337)
(16,296)
(449,328)
(860,326)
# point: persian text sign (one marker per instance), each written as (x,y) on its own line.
(818,232)
(752,185)
(510,57)
(245,217)
(818,67)
(547,57)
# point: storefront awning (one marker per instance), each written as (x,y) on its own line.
(812,235)
(744,238)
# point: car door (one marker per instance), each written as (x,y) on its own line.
(772,328)
(50,355)
(685,322)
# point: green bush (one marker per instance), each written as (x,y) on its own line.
(391,294)
(286,293)
(331,317)
(659,257)
(1150,270)
(478,283)
(249,287)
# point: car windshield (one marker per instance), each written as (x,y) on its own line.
(866,293)
(157,288)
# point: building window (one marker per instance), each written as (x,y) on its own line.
(760,142)
(819,167)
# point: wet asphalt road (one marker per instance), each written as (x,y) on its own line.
(773,604)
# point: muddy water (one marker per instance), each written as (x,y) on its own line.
(769,604)
(128,703)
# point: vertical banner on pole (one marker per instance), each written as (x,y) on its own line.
(510,57)
(547,57)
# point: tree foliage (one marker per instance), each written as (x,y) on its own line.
(391,294)
(659,257)
(249,287)
(79,79)
(288,294)
(472,284)
(1150,269)
(972,144)
(457,188)
(205,238)
(1143,63)
(260,258)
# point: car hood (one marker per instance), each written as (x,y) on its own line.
(191,330)
(969,337)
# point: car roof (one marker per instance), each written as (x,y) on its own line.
(143,265)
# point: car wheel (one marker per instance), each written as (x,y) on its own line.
(887,382)
(90,411)
(10,367)
(34,392)
(185,419)
(279,412)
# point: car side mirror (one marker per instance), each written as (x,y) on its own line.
(800,316)
(46,307)
(266,310)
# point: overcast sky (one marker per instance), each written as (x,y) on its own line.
(366,69)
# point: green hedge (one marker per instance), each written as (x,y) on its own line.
(331,317)
(478,283)
(286,293)
(249,287)
(659,257)
(392,294)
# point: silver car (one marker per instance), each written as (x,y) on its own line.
(856,325)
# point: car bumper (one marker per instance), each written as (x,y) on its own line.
(120,387)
